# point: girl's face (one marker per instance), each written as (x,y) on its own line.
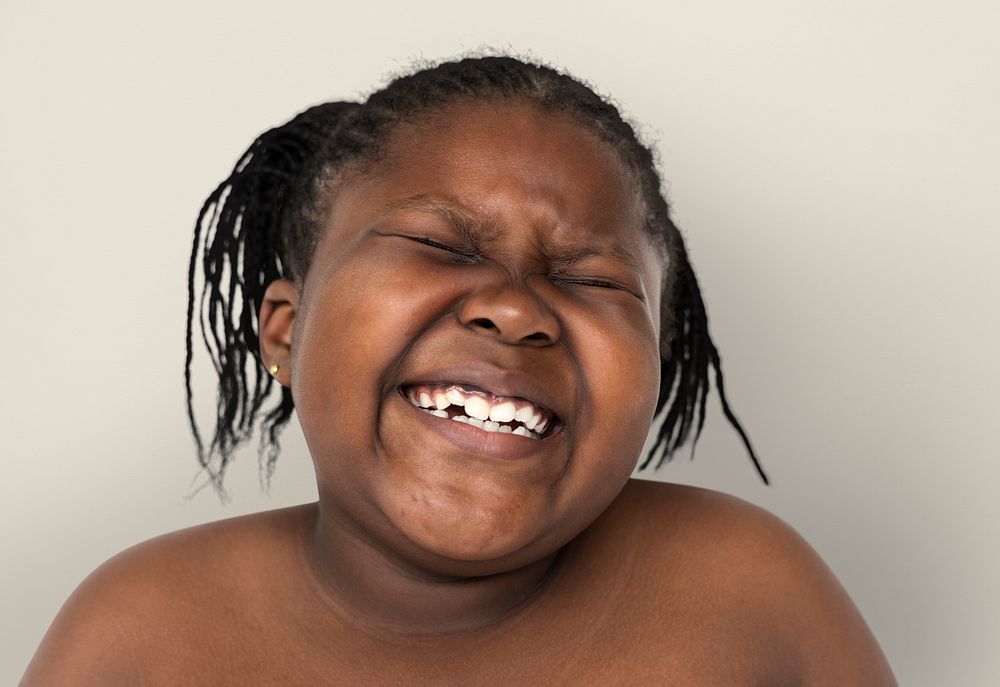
(496,251)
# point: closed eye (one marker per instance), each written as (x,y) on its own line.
(465,255)
(589,282)
(597,283)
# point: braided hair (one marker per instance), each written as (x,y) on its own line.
(263,221)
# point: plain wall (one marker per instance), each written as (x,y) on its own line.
(833,165)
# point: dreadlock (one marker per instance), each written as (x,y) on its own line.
(248,235)
(263,221)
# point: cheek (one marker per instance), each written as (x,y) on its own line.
(358,322)
(618,349)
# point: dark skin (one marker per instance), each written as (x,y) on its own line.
(438,553)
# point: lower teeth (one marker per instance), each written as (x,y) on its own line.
(487,425)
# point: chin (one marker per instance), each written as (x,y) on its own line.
(470,527)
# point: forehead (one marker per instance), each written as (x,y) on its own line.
(515,161)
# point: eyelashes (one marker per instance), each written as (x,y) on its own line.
(466,256)
(589,282)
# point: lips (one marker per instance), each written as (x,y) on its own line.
(483,409)
(487,397)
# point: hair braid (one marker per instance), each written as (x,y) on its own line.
(692,354)
(244,239)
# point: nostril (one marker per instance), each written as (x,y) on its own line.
(483,322)
(538,336)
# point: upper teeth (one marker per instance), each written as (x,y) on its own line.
(482,410)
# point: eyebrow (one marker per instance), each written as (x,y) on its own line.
(613,252)
(477,232)
(471,229)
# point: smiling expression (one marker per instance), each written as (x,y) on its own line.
(492,260)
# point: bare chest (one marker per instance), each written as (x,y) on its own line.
(627,639)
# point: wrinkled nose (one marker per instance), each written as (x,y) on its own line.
(509,314)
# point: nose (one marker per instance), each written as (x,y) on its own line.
(509,314)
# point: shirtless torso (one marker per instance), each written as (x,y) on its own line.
(672,585)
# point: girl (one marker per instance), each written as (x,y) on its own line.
(470,290)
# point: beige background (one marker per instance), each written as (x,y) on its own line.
(834,166)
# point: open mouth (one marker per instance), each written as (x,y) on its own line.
(483,409)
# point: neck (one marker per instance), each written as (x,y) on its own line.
(385,593)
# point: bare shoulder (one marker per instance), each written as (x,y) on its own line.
(140,597)
(761,574)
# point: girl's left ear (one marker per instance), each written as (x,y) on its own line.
(275,322)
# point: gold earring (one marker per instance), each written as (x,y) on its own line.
(274,369)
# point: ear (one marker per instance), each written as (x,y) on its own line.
(276,323)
